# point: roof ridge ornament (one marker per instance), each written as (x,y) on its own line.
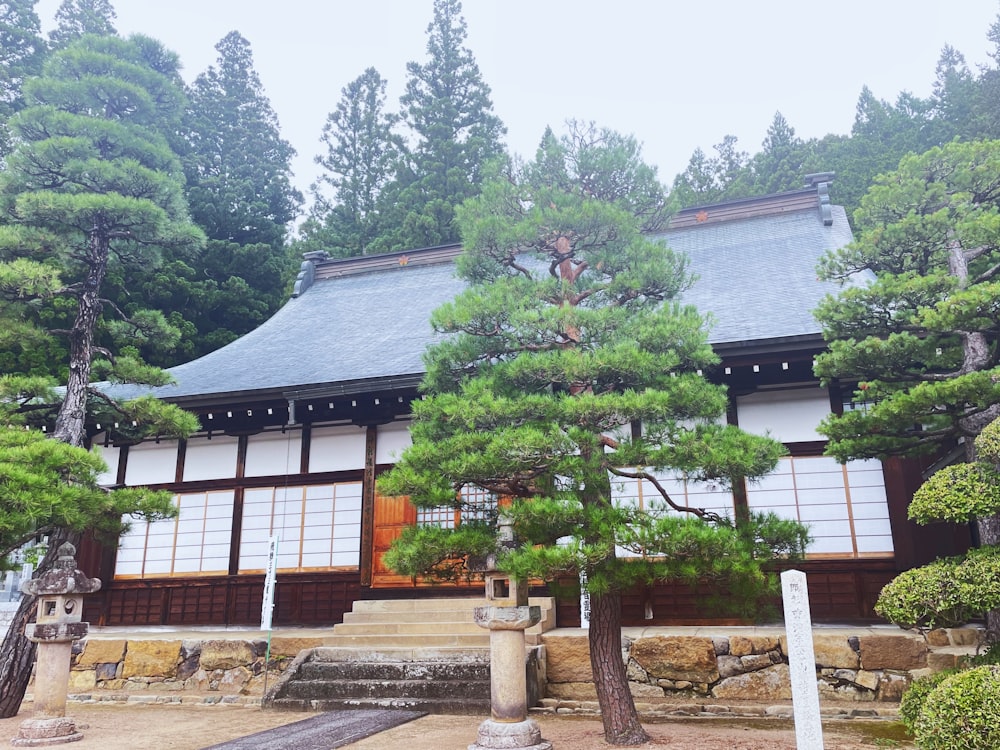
(307,271)
(821,181)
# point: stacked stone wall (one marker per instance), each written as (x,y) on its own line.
(866,667)
(226,667)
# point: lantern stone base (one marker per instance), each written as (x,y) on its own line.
(42,732)
(515,735)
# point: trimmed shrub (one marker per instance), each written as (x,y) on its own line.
(944,593)
(988,442)
(957,493)
(961,713)
(913,700)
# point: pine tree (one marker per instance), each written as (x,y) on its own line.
(920,339)
(91,186)
(570,366)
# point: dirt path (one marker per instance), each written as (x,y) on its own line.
(195,726)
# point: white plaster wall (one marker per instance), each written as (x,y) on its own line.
(151,463)
(337,448)
(210,459)
(111,454)
(273,454)
(393,439)
(790,416)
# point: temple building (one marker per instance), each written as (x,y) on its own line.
(300,416)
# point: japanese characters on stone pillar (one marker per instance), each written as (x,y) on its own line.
(801,661)
(57,624)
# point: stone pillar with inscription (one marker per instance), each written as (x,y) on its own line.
(801,661)
(58,623)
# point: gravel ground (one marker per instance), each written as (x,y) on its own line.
(108,726)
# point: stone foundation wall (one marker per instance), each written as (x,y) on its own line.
(225,666)
(867,666)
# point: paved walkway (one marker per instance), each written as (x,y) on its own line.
(323,732)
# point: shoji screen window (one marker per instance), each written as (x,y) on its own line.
(687,493)
(195,542)
(319,526)
(844,506)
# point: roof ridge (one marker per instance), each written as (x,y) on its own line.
(319,265)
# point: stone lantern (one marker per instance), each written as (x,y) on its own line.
(508,726)
(58,623)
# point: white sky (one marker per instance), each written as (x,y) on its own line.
(677,75)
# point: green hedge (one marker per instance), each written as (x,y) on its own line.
(962,712)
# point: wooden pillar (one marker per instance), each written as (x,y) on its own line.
(368,505)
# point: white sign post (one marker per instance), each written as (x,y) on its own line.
(267,607)
(801,661)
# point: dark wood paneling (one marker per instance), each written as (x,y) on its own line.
(301,599)
(839,591)
(914,544)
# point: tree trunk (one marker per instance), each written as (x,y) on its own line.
(71,421)
(621,720)
(989,536)
(17,653)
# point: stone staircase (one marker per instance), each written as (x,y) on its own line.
(416,654)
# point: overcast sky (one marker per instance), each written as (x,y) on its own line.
(676,75)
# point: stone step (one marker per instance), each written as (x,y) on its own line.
(430,604)
(401,640)
(388,689)
(425,616)
(392,617)
(455,706)
(438,604)
(361,670)
(426,654)
(408,628)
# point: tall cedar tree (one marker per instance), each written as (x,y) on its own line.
(362,151)
(22,50)
(77,18)
(918,329)
(778,165)
(23,348)
(725,176)
(448,108)
(570,337)
(91,185)
(239,189)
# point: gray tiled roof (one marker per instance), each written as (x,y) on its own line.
(756,276)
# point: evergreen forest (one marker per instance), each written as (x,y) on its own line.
(392,175)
